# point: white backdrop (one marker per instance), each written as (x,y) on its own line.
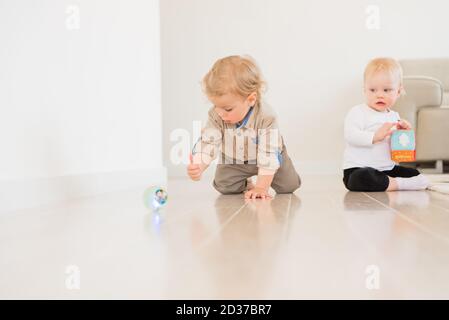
(80,95)
(312,54)
(80,87)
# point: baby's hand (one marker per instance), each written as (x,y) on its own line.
(194,170)
(383,132)
(403,125)
(257,193)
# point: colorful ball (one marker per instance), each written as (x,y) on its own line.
(155,197)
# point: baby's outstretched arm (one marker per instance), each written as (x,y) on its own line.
(195,169)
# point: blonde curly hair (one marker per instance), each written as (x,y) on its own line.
(238,75)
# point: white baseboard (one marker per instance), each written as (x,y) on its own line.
(28,193)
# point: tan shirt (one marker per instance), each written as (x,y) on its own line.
(256,140)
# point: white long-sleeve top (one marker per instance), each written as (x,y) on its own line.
(361,123)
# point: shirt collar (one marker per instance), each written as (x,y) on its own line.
(245,122)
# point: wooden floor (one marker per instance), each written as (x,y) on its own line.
(321,242)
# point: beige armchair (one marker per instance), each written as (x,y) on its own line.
(426,106)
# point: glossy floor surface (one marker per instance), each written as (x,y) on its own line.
(321,242)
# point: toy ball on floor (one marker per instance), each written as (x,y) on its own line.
(155,198)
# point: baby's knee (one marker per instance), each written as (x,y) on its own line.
(289,187)
(353,187)
(227,189)
(367,180)
(355,181)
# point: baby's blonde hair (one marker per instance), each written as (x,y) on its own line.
(234,74)
(389,65)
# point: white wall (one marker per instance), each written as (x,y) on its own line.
(312,54)
(79,98)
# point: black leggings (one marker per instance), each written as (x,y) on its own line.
(369,179)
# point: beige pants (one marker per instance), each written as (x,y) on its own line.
(232,178)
